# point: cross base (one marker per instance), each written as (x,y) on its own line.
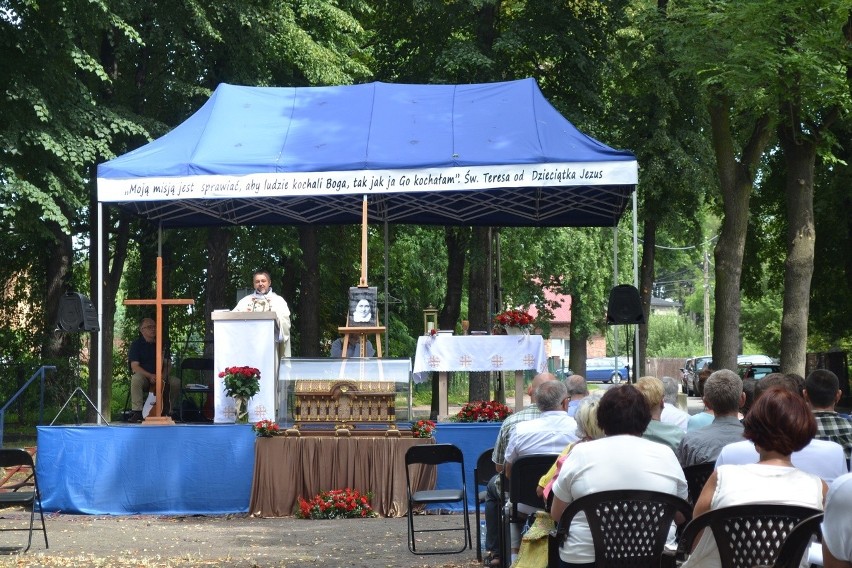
(158,421)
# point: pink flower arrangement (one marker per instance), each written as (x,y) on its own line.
(483,411)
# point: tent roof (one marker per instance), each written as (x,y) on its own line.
(483,154)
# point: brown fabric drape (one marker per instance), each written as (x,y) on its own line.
(286,468)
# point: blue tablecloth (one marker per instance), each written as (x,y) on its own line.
(472,438)
(130,470)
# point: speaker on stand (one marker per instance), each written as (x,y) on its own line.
(76,313)
(625,308)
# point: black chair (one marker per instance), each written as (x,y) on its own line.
(23,494)
(202,368)
(436,454)
(696,477)
(483,472)
(525,474)
(796,545)
(629,527)
(746,535)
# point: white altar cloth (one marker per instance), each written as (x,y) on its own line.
(443,353)
(479,353)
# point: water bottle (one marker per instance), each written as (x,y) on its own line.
(482,534)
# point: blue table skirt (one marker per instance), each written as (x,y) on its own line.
(472,438)
(129,470)
(183,469)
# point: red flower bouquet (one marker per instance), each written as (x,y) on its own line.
(514,318)
(337,504)
(423,429)
(266,429)
(483,411)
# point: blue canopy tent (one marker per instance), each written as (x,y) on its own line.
(495,154)
(488,154)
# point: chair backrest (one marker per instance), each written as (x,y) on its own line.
(747,535)
(795,546)
(629,526)
(16,458)
(696,476)
(525,473)
(197,364)
(485,468)
(433,454)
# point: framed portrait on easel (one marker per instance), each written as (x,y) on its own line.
(362,306)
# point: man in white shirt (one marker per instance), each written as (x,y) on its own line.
(672,414)
(836,528)
(547,434)
(265,300)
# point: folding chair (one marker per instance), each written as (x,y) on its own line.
(746,535)
(200,365)
(483,472)
(522,485)
(436,454)
(696,476)
(629,527)
(16,457)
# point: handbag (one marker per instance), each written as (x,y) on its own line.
(534,543)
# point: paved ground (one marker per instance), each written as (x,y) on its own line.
(229,541)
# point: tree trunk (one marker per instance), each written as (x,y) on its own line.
(478,310)
(309,309)
(112,278)
(646,283)
(578,343)
(57,268)
(218,244)
(736,179)
(799,157)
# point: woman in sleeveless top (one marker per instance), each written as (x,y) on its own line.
(779,423)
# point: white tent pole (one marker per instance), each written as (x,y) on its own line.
(636,277)
(614,284)
(100,283)
(387,296)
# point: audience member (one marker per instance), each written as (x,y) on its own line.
(657,431)
(723,393)
(748,391)
(621,460)
(705,417)
(578,389)
(822,392)
(820,457)
(547,434)
(779,424)
(587,429)
(492,499)
(836,528)
(672,414)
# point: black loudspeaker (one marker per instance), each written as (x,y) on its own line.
(76,313)
(625,306)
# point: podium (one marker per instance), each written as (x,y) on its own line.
(245,339)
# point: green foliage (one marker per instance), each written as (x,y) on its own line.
(673,336)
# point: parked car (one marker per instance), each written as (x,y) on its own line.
(757,370)
(603,369)
(691,369)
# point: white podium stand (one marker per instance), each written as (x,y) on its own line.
(245,339)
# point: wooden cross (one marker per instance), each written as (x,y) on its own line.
(159,302)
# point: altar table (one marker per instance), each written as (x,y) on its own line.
(444,353)
(286,468)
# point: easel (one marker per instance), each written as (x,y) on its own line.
(362,332)
(159,302)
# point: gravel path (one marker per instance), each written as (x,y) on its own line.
(228,541)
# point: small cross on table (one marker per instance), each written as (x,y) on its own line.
(159,302)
